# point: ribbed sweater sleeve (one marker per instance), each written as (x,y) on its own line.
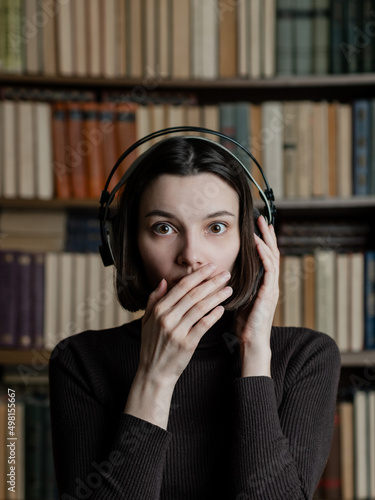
(279,451)
(130,463)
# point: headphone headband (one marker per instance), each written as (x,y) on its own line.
(106,198)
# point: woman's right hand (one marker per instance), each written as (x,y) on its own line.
(172,326)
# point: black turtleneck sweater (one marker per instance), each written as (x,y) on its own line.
(228,437)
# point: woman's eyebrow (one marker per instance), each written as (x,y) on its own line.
(163,213)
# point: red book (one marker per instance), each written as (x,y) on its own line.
(107,125)
(59,142)
(77,149)
(126,132)
(92,143)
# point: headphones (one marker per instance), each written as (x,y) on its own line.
(104,215)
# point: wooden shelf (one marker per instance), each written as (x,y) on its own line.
(18,356)
(306,204)
(152,81)
(37,358)
(362,359)
(295,87)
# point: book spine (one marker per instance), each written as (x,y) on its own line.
(370,299)
(361,145)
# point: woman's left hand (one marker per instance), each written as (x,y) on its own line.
(253,325)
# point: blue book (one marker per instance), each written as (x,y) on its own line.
(370,299)
(361,146)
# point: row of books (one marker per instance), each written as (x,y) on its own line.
(350,470)
(56,294)
(40,231)
(26,461)
(67,149)
(330,292)
(53,295)
(157,39)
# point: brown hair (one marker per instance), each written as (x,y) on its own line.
(183,156)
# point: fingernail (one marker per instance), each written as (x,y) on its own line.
(211,266)
(225,275)
(228,290)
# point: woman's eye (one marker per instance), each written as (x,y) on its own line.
(218,228)
(162,228)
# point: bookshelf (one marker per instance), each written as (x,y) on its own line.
(343,88)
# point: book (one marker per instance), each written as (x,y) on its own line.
(79,36)
(361,145)
(267,41)
(92,139)
(343,301)
(304,37)
(337,50)
(272,127)
(44,186)
(8,291)
(49,48)
(227,40)
(77,149)
(347,451)
(320,150)
(181,40)
(321,36)
(308,292)
(292,290)
(369,299)
(109,60)
(24,325)
(290,149)
(210,45)
(61,170)
(344,150)
(64,39)
(94,39)
(360,445)
(149,37)
(135,41)
(33,61)
(254,39)
(325,262)
(357,301)
(164,34)
(25,158)
(305,151)
(332,149)
(8,153)
(285,30)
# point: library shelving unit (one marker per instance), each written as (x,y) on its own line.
(342,88)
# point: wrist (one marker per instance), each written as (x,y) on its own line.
(255,361)
(150,399)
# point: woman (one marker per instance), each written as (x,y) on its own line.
(201,398)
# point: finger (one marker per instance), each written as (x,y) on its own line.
(201,308)
(154,297)
(268,233)
(204,324)
(186,284)
(270,261)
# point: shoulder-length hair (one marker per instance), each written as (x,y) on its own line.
(182,157)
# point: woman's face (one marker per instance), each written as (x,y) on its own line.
(185,223)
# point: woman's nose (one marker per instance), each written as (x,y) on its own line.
(190,253)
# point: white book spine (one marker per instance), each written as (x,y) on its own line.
(43,150)
(26,158)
